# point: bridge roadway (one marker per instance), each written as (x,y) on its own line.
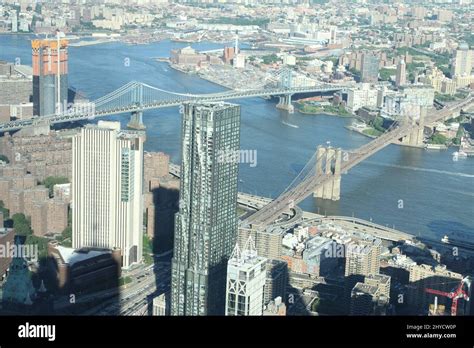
(95,111)
(258,202)
(308,184)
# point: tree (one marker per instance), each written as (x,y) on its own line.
(41,242)
(271,58)
(438,138)
(21,224)
(50,181)
(385,74)
(377,123)
(66,237)
(4,159)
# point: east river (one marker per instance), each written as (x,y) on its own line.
(435,192)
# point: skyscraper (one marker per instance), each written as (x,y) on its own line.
(14,20)
(370,68)
(363,258)
(401,78)
(462,62)
(107,175)
(45,75)
(206,224)
(246,275)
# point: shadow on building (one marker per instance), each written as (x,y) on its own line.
(66,281)
(417,301)
(159,302)
(279,284)
(25,288)
(161,217)
(160,228)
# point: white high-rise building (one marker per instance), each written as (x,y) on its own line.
(363,95)
(107,204)
(14,20)
(246,275)
(239,61)
(462,62)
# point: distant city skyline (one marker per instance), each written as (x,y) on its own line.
(360,116)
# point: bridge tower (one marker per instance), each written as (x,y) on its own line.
(284,102)
(136,119)
(328,162)
(415,138)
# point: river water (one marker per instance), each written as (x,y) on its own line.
(421,192)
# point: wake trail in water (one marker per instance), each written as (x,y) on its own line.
(427,170)
(290,125)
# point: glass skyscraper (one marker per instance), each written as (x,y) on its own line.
(206,224)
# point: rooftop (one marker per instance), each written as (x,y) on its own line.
(72,256)
(4,231)
(362,288)
(381,278)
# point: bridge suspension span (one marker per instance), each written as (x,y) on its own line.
(313,176)
(136,97)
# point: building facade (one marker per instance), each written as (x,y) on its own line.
(362,96)
(363,258)
(276,280)
(49,61)
(85,269)
(424,277)
(462,62)
(401,78)
(370,68)
(161,305)
(206,224)
(246,273)
(107,197)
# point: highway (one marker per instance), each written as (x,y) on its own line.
(64,301)
(133,295)
(124,300)
(379,231)
(257,202)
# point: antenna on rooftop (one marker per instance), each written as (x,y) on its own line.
(236,254)
(249,248)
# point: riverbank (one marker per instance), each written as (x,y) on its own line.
(201,74)
(91,42)
(323,112)
(308,109)
(363,131)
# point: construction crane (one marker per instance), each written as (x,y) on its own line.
(454,295)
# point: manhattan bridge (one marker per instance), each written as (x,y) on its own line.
(136,97)
(321,175)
